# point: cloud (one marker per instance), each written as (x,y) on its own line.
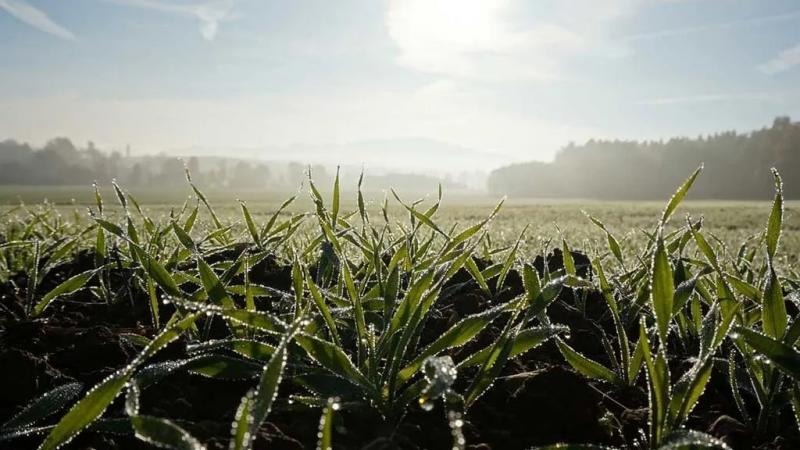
(713,26)
(785,60)
(209,13)
(35,18)
(723,97)
(515,40)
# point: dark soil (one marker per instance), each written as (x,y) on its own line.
(539,399)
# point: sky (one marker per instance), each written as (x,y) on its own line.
(505,80)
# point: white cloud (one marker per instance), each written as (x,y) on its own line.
(35,18)
(500,40)
(753,21)
(785,60)
(723,97)
(209,13)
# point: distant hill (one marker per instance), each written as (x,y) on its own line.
(736,167)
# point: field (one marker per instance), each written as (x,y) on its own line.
(732,222)
(343,320)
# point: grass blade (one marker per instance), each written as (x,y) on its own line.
(458,335)
(164,433)
(662,290)
(99,397)
(773,308)
(213,285)
(44,406)
(267,389)
(322,306)
(157,272)
(251,225)
(773,231)
(584,365)
(242,429)
(780,354)
(326,425)
(332,358)
(67,287)
(679,195)
(335,201)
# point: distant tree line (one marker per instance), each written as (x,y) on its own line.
(736,167)
(60,162)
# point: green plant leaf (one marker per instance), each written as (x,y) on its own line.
(326,425)
(322,306)
(90,407)
(157,272)
(662,290)
(780,354)
(687,391)
(773,233)
(110,227)
(44,406)
(613,244)
(213,285)
(164,433)
(734,383)
(254,319)
(658,387)
(692,440)
(67,287)
(86,410)
(773,307)
(458,335)
(531,282)
(331,357)
(509,262)
(473,269)
(265,232)
(584,365)
(679,195)
(496,359)
(335,201)
(223,367)
(241,431)
(524,341)
(267,389)
(569,263)
(184,238)
(251,225)
(547,295)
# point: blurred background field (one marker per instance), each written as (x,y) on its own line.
(733,222)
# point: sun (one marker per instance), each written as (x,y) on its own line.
(461,25)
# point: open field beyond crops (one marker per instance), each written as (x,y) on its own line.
(731,221)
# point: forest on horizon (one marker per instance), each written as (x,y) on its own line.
(60,162)
(736,167)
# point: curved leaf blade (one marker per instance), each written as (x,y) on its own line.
(587,367)
(67,287)
(44,406)
(164,433)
